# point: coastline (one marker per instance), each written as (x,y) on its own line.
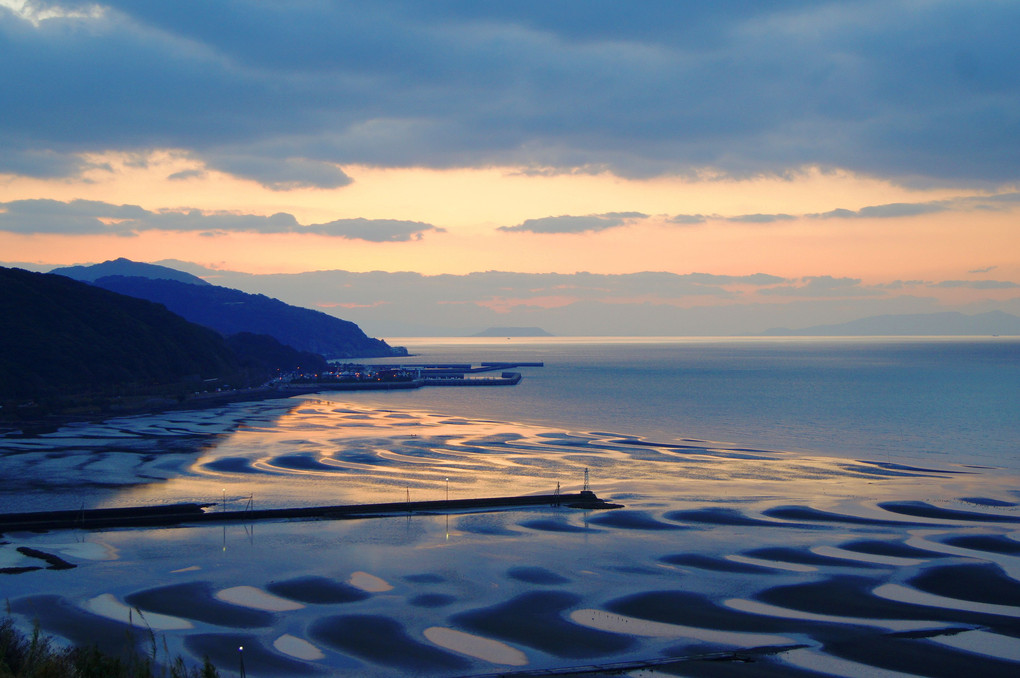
(866,563)
(428,375)
(145,405)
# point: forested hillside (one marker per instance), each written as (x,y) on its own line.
(230,311)
(58,335)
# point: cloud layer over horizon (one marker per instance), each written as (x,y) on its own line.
(92,217)
(647,303)
(918,93)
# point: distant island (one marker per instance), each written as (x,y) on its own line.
(513,332)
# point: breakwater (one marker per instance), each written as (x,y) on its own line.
(193,514)
(411,376)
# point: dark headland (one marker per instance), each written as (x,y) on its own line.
(72,351)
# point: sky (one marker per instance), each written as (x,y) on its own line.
(826,160)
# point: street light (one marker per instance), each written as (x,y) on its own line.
(240,654)
(447,490)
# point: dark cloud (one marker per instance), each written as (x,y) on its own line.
(280,174)
(986,269)
(900,284)
(980,202)
(86,217)
(575,224)
(187,174)
(823,286)
(1000,198)
(82,217)
(373,230)
(890,211)
(40,162)
(687,219)
(978,284)
(284,93)
(756,279)
(761,218)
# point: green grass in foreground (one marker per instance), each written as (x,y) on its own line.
(36,656)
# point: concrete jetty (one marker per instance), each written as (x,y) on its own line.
(194,514)
(421,374)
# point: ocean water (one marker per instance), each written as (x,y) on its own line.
(947,400)
(820,507)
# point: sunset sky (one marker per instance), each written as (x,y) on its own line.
(843,149)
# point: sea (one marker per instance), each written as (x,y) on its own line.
(801,507)
(934,399)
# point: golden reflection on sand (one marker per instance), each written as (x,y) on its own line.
(903,594)
(983,642)
(618,623)
(296,647)
(920,539)
(774,564)
(835,552)
(369,582)
(107,605)
(812,659)
(765,609)
(324,452)
(471,645)
(249,596)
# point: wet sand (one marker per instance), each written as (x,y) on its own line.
(317,591)
(770,563)
(538,620)
(195,600)
(383,641)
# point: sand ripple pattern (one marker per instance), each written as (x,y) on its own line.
(807,565)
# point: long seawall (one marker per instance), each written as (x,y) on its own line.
(193,514)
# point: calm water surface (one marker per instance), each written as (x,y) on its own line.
(950,400)
(719,546)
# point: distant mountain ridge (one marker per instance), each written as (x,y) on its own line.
(230,311)
(126,267)
(60,336)
(947,323)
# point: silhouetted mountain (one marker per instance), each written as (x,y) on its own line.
(127,267)
(931,324)
(61,336)
(263,352)
(230,311)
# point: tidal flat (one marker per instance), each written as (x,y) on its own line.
(725,560)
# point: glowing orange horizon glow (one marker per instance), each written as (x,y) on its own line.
(471,205)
